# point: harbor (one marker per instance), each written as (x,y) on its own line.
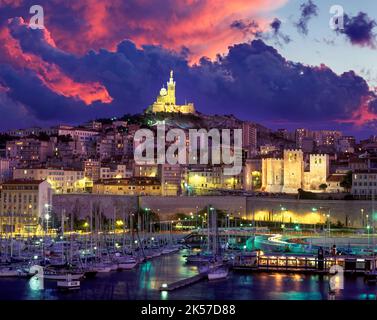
(144,282)
(150,260)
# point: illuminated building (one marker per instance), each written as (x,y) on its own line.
(23,203)
(203,180)
(206,180)
(111,172)
(252,174)
(128,186)
(28,149)
(171,178)
(166,101)
(92,169)
(334,181)
(145,170)
(318,173)
(61,180)
(249,138)
(300,134)
(288,174)
(268,148)
(5,170)
(364,184)
(83,135)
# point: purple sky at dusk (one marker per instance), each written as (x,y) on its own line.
(274,62)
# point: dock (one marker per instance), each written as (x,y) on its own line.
(183,283)
(304,263)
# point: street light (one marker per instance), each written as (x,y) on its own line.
(283,209)
(47,217)
(314,211)
(329,227)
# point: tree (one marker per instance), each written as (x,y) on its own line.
(346,183)
(323,186)
(302,194)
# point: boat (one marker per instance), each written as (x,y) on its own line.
(50,274)
(10,273)
(62,276)
(218,273)
(126,263)
(68,284)
(205,268)
(113,266)
(101,268)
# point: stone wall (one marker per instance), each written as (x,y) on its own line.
(339,210)
(267,209)
(81,204)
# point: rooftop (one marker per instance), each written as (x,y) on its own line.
(130,181)
(23,182)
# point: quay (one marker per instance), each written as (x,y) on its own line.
(360,265)
(183,283)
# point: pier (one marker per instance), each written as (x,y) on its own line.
(305,263)
(183,283)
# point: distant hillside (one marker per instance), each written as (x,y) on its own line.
(199,120)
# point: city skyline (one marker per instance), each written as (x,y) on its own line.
(277,70)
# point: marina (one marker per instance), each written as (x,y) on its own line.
(145,282)
(156,261)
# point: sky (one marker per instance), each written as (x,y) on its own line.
(276,62)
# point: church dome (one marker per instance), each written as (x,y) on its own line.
(163,92)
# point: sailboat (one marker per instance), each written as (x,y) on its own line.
(216,270)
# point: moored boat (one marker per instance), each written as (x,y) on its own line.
(68,283)
(10,273)
(218,273)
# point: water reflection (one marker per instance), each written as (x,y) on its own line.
(144,282)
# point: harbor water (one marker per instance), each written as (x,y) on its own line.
(144,282)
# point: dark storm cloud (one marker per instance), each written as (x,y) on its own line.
(359,30)
(252,81)
(247,27)
(275,25)
(308,10)
(276,33)
(251,28)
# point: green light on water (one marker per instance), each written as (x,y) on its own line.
(164,295)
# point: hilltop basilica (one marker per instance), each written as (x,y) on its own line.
(166,101)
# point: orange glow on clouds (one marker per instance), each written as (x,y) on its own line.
(362,115)
(50,74)
(203,26)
